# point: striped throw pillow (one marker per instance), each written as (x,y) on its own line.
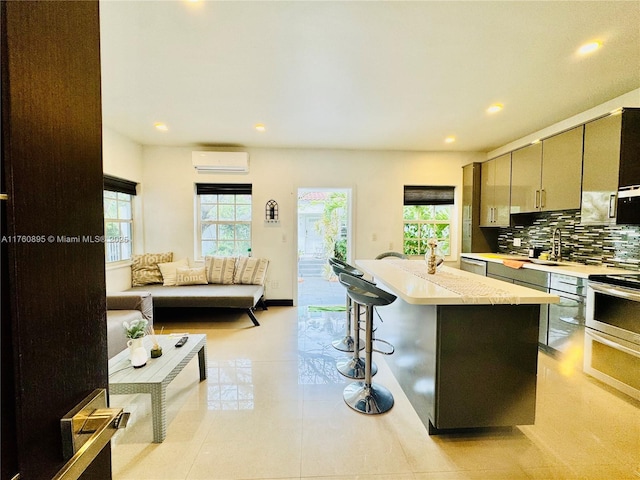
(220,269)
(251,270)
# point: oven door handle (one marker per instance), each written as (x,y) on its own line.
(616,292)
(612,344)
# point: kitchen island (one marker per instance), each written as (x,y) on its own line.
(466,347)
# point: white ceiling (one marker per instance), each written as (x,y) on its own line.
(364,75)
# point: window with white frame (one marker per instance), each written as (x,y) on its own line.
(118,218)
(224,219)
(427,214)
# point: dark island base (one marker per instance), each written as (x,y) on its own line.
(476,431)
(465,366)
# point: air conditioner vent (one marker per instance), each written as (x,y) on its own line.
(220,162)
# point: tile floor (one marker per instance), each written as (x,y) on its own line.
(272,408)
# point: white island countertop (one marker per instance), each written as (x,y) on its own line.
(408,279)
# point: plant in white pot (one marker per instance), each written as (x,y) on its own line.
(135,332)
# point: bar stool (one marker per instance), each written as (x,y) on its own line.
(354,367)
(346,343)
(366,397)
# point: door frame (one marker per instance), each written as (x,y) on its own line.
(350,191)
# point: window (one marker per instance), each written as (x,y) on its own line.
(224,219)
(118,218)
(427,214)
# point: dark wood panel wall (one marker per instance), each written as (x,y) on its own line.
(52,168)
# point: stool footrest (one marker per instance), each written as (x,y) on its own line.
(389,351)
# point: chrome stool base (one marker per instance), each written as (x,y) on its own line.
(371,400)
(354,368)
(345,344)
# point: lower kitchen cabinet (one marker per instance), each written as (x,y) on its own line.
(567,318)
(533,279)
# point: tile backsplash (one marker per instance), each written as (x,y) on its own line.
(617,245)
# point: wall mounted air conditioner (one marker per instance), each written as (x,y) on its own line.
(220,162)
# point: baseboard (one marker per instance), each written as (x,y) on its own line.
(271,302)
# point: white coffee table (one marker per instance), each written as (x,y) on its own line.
(154,377)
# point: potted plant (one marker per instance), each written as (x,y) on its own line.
(136,331)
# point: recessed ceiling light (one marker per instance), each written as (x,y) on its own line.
(496,107)
(589,48)
(161,126)
(260,127)
(450,139)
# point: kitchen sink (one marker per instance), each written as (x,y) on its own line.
(550,263)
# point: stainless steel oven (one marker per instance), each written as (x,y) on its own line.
(612,334)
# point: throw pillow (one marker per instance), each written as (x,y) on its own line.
(251,270)
(220,269)
(168,271)
(191,276)
(144,268)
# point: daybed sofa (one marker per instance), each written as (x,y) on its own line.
(245,297)
(125,307)
(221,282)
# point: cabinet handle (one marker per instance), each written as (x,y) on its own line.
(612,205)
(543,198)
(493,214)
(537,199)
(4,196)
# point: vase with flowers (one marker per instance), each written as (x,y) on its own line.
(135,332)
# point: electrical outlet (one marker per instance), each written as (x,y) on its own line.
(275,284)
(517,242)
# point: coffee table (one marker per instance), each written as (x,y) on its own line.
(154,377)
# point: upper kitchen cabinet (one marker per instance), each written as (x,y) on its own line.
(601,165)
(611,170)
(562,171)
(474,238)
(547,176)
(495,192)
(526,166)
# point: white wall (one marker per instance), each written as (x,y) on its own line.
(121,157)
(376,178)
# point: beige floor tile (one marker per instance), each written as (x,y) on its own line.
(272,409)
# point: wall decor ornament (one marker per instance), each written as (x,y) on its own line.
(271,211)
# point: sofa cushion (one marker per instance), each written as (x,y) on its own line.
(191,276)
(168,271)
(250,271)
(220,269)
(145,270)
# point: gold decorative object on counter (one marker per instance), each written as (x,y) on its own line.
(431,256)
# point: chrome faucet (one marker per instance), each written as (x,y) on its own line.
(556,245)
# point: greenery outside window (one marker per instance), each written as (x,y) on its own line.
(118,218)
(224,219)
(427,214)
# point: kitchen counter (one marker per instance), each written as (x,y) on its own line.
(408,279)
(564,268)
(466,347)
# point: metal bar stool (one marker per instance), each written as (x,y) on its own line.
(354,367)
(346,343)
(366,397)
